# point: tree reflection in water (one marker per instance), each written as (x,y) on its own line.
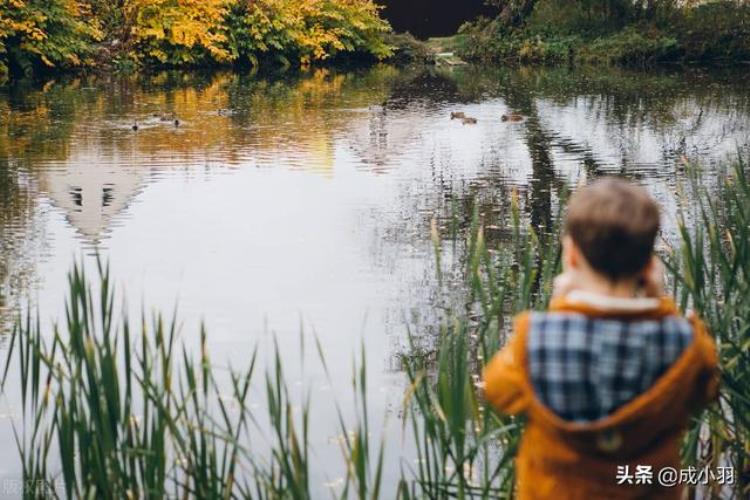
(71,142)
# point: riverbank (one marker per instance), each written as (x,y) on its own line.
(563,32)
(61,36)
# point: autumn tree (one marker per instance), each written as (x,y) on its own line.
(44,33)
(65,33)
(305,30)
(178,32)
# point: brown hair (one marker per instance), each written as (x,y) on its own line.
(614,223)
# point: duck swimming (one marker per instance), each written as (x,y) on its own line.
(458,115)
(134,128)
(468,120)
(513,117)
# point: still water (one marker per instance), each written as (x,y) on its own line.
(299,205)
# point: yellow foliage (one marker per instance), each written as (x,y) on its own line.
(309,30)
(45,33)
(175,31)
(27,26)
(55,33)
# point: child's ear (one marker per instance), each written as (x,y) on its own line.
(653,267)
(651,279)
(571,255)
(648,269)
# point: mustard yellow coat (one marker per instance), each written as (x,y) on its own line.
(565,460)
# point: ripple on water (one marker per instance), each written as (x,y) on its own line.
(310,199)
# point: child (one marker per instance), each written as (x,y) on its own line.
(609,376)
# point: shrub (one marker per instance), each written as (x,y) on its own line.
(407,49)
(67,33)
(44,34)
(718,30)
(489,40)
(484,39)
(580,17)
(552,50)
(615,31)
(4,32)
(305,31)
(631,47)
(176,32)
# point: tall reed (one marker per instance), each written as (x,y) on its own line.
(465,449)
(109,413)
(121,420)
(710,265)
(112,411)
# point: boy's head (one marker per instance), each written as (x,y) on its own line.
(613,225)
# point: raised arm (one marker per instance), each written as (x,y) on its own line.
(505,376)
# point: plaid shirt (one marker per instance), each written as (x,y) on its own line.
(585,368)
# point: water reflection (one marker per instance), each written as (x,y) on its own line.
(72,142)
(20,240)
(308,198)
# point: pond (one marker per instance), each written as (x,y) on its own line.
(294,206)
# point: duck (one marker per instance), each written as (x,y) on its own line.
(512,117)
(134,127)
(176,122)
(468,120)
(458,115)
